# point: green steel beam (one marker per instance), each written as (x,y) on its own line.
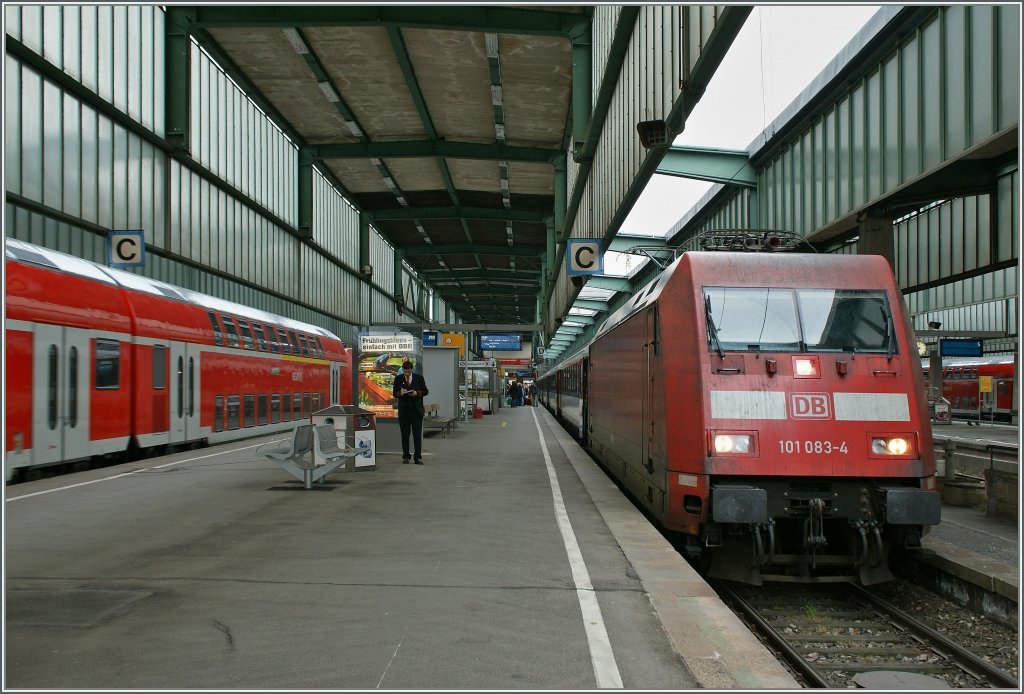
(177,76)
(364,243)
(618,284)
(586,320)
(455,212)
(728,166)
(305,192)
(437,148)
(491,274)
(624,242)
(502,20)
(460,248)
(582,77)
(591,304)
(475,290)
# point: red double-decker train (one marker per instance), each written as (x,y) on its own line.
(767,409)
(962,386)
(103,365)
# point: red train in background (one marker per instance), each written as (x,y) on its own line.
(961,386)
(105,365)
(766,409)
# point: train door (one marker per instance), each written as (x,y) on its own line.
(60,398)
(647,388)
(184,385)
(335,383)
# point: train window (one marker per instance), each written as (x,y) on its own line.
(51,387)
(274,345)
(218,413)
(108,365)
(249,411)
(297,406)
(958,372)
(275,408)
(752,319)
(295,342)
(191,387)
(303,345)
(234,405)
(974,372)
(181,387)
(261,409)
(320,346)
(73,386)
(846,320)
(218,335)
(261,341)
(243,326)
(285,347)
(316,402)
(159,367)
(229,328)
(305,404)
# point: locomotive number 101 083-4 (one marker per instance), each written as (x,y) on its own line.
(796,446)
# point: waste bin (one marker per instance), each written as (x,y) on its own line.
(356,428)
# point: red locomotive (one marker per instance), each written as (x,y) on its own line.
(105,364)
(767,409)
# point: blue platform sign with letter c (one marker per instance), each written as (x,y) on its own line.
(126,249)
(584,257)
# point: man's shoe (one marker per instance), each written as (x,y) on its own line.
(419,462)
(405,461)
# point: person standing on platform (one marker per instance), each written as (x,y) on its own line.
(410,389)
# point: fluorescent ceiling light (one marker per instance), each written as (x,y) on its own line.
(496,95)
(491,44)
(328,91)
(353,128)
(295,40)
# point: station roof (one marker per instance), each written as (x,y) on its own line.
(442,124)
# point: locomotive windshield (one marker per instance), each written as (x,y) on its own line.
(745,319)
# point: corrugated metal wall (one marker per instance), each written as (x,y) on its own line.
(946,88)
(75,172)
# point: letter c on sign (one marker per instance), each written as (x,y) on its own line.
(121,254)
(585,264)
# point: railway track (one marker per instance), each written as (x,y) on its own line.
(830,635)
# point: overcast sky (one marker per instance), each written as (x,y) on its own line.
(776,55)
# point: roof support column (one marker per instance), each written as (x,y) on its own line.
(561,196)
(399,292)
(364,245)
(306,158)
(582,77)
(876,238)
(177,71)
(549,257)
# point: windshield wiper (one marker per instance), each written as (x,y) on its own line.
(888,333)
(711,326)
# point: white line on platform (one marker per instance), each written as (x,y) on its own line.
(606,670)
(133,472)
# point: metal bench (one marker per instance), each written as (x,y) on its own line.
(431,420)
(322,441)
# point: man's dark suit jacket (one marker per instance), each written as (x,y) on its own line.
(406,403)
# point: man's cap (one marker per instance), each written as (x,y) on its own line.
(407,365)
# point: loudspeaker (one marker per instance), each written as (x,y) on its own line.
(654,133)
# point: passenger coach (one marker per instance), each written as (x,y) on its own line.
(102,363)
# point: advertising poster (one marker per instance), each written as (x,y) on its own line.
(380,360)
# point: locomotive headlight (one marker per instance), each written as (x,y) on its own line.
(805,367)
(734,443)
(895,445)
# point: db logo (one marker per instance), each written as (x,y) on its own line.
(809,406)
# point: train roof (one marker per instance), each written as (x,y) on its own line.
(37,255)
